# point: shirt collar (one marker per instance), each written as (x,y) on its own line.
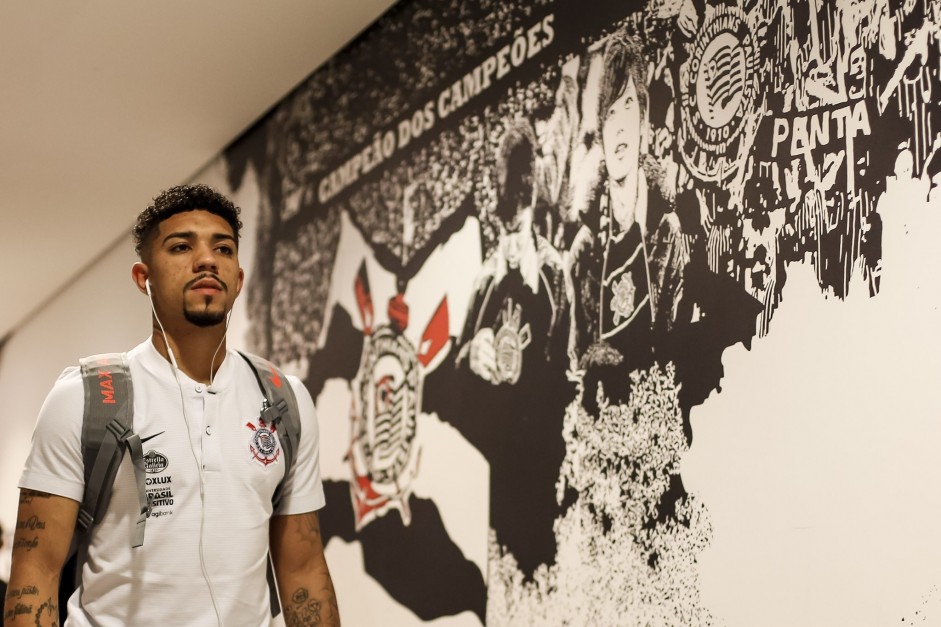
(156,365)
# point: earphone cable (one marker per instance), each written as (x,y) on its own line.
(202,492)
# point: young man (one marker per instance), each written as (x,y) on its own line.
(507,389)
(197,409)
(628,268)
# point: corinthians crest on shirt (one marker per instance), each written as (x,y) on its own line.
(263,443)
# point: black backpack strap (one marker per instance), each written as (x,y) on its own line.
(107,431)
(280,409)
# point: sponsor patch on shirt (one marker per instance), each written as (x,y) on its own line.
(159,486)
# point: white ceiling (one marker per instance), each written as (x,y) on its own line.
(105,103)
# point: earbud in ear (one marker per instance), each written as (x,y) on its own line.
(147,286)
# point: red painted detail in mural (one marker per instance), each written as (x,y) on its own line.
(366,499)
(398,312)
(364,299)
(436,334)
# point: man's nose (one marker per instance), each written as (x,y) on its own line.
(206,259)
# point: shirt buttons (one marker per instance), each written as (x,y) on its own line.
(199,388)
(208,430)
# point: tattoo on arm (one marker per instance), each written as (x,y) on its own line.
(314,600)
(32,523)
(17,609)
(306,611)
(303,610)
(48,613)
(25,591)
(27,496)
(308,529)
(26,544)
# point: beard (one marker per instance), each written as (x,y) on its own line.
(204,318)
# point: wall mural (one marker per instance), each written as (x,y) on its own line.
(507,245)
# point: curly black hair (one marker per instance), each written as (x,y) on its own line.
(515,170)
(179,199)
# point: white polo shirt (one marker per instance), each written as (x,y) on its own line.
(161,583)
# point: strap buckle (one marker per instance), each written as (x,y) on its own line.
(85,519)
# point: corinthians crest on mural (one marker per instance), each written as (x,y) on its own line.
(384,454)
(719,91)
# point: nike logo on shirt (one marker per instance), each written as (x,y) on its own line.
(151,437)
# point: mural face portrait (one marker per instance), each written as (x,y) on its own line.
(516,237)
(621,135)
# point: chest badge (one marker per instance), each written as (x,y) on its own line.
(622,303)
(509,342)
(263,444)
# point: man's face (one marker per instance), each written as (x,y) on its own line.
(194,269)
(621,134)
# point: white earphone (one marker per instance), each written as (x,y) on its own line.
(202,483)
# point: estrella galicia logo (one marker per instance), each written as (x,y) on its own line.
(155,462)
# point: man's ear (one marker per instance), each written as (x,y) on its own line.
(139,274)
(238,287)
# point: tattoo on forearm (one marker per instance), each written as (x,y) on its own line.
(48,613)
(25,544)
(303,610)
(308,528)
(19,609)
(25,591)
(32,523)
(305,607)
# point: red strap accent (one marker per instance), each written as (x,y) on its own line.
(275,378)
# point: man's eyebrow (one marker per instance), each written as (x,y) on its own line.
(180,235)
(191,235)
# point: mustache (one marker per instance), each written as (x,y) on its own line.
(207,275)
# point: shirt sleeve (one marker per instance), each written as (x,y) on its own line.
(302,490)
(54,464)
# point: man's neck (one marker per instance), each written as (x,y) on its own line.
(199,351)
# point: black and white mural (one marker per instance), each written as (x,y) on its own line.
(616,313)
